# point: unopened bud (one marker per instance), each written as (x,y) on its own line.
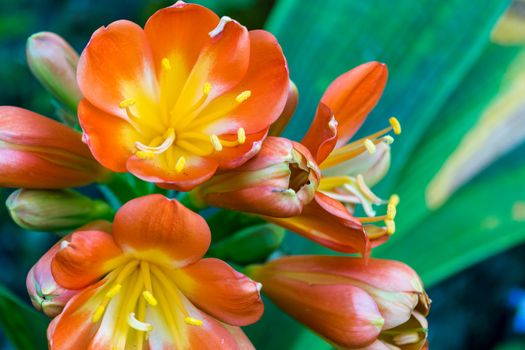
(54,210)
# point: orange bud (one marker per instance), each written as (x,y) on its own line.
(351,302)
(38,152)
(54,63)
(278,181)
(289,109)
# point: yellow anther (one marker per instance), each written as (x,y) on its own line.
(166,64)
(243,96)
(181,162)
(113,291)
(138,325)
(145,154)
(217,145)
(207,88)
(388,139)
(127,103)
(390,227)
(396,126)
(241,136)
(370,146)
(192,321)
(391,212)
(149,298)
(394,200)
(99,312)
(406,338)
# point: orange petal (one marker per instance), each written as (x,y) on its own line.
(196,170)
(233,157)
(243,342)
(211,335)
(321,138)
(222,292)
(353,95)
(267,79)
(161,229)
(111,139)
(87,256)
(327,222)
(115,65)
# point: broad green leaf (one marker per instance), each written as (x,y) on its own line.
(479,221)
(429,46)
(21,324)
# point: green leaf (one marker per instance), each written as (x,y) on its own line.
(479,221)
(428,46)
(21,324)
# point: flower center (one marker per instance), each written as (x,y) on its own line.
(134,287)
(178,126)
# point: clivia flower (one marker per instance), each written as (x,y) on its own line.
(353,303)
(279,181)
(38,152)
(145,286)
(182,98)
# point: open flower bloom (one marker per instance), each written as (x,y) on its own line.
(348,170)
(181,98)
(38,152)
(145,286)
(350,302)
(278,181)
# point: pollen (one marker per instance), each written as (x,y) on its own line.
(241,136)
(370,146)
(113,291)
(388,139)
(97,315)
(149,298)
(207,88)
(217,145)
(390,227)
(127,102)
(166,64)
(243,96)
(193,321)
(394,199)
(181,162)
(391,212)
(396,126)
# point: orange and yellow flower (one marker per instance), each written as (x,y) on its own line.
(185,96)
(38,152)
(145,286)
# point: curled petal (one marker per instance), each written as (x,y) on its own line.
(321,138)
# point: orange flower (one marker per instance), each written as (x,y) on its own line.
(38,152)
(186,96)
(329,219)
(145,286)
(350,302)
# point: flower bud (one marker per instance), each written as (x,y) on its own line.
(54,210)
(38,152)
(249,245)
(351,302)
(46,295)
(54,63)
(278,181)
(278,127)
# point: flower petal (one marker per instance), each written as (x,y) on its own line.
(224,293)
(353,95)
(321,138)
(111,139)
(115,65)
(327,222)
(196,170)
(163,230)
(85,258)
(233,157)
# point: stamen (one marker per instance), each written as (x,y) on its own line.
(166,64)
(217,145)
(138,325)
(148,293)
(99,312)
(243,96)
(149,298)
(405,339)
(394,199)
(391,212)
(181,162)
(241,136)
(207,88)
(114,291)
(127,103)
(168,142)
(396,126)
(388,139)
(370,146)
(193,321)
(390,227)
(144,155)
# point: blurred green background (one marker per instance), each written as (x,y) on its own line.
(456,84)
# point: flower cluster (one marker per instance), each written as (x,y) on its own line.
(176,117)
